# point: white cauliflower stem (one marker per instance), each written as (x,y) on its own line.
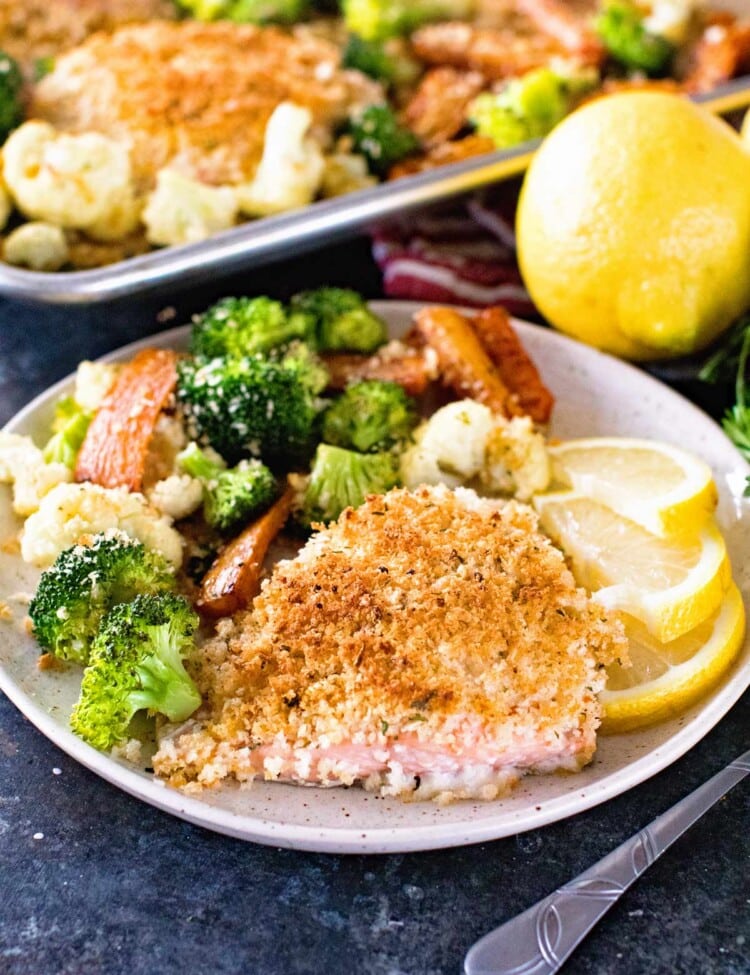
(70,511)
(291,169)
(93,381)
(182,210)
(23,466)
(37,245)
(465,443)
(178,495)
(78,181)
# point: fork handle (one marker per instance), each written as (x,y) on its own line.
(538,941)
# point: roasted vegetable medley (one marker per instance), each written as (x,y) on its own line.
(166,481)
(218,111)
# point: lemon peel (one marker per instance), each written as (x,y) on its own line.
(633,225)
(670,584)
(666,490)
(666,678)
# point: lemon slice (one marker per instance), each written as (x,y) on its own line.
(669,584)
(666,678)
(661,487)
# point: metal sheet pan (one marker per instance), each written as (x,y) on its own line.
(262,241)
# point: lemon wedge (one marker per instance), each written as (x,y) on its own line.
(663,488)
(666,678)
(670,585)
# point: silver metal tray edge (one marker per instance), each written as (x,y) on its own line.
(271,238)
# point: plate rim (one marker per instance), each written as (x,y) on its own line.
(398,839)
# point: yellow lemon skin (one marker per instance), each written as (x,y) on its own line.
(633,226)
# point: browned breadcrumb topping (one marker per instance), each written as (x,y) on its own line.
(413,614)
(48,661)
(42,28)
(197,96)
(6,613)
(11,545)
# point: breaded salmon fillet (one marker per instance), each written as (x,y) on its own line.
(36,29)
(197,96)
(427,645)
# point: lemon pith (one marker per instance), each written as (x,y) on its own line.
(663,488)
(681,684)
(671,585)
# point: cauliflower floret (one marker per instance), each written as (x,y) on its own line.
(345,172)
(38,245)
(457,436)
(182,210)
(465,443)
(6,204)
(449,448)
(70,511)
(291,168)
(517,461)
(23,466)
(671,19)
(178,495)
(93,381)
(79,181)
(168,439)
(419,466)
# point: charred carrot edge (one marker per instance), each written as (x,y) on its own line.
(718,55)
(410,370)
(554,18)
(463,364)
(512,361)
(234,578)
(114,451)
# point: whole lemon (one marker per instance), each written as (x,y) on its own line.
(633,226)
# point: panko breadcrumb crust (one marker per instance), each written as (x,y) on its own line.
(423,636)
(35,29)
(197,96)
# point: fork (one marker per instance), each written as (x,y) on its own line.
(538,941)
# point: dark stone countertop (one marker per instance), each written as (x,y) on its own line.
(115,886)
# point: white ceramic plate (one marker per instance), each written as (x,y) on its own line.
(596,394)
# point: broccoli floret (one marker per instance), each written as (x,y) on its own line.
(84,583)
(245,326)
(369,57)
(620,26)
(341,479)
(11,85)
(528,107)
(341,319)
(299,358)
(377,135)
(253,406)
(379,61)
(370,416)
(42,67)
(230,497)
(247,11)
(377,20)
(69,430)
(137,663)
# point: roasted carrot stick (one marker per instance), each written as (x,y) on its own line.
(114,451)
(463,364)
(512,361)
(409,369)
(234,578)
(570,27)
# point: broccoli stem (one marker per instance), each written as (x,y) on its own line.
(195,463)
(166,686)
